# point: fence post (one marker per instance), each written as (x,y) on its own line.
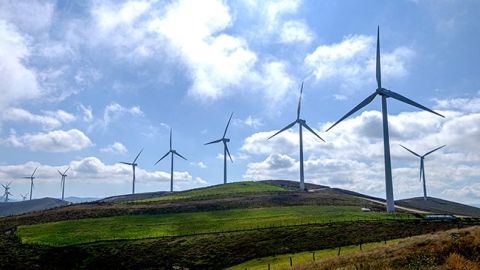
(314,256)
(268,266)
(339,248)
(290,261)
(360,245)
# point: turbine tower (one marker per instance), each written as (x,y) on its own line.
(64,175)
(301,123)
(6,193)
(225,150)
(384,93)
(422,167)
(133,164)
(172,152)
(31,181)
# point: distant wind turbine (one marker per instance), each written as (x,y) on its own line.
(64,175)
(24,197)
(133,164)
(31,181)
(225,150)
(422,167)
(301,123)
(172,152)
(6,192)
(384,93)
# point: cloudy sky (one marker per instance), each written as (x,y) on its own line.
(87,84)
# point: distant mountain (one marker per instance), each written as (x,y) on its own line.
(439,206)
(80,199)
(22,207)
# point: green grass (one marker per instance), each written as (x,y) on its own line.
(283,261)
(146,226)
(218,190)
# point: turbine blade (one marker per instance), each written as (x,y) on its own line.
(216,141)
(137,156)
(409,101)
(358,107)
(228,152)
(283,129)
(126,163)
(162,157)
(170,139)
(60,172)
(179,155)
(311,130)
(379,72)
(66,170)
(228,123)
(300,102)
(34,171)
(434,150)
(410,151)
(26,177)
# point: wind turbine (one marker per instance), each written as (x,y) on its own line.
(172,152)
(24,197)
(384,93)
(225,150)
(422,167)
(133,164)
(301,123)
(31,181)
(6,192)
(64,175)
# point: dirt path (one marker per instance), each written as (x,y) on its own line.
(413,210)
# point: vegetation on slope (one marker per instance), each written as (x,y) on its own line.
(453,249)
(147,226)
(210,251)
(218,191)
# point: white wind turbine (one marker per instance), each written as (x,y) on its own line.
(64,175)
(384,93)
(301,123)
(6,192)
(133,164)
(225,150)
(31,181)
(422,167)
(172,152)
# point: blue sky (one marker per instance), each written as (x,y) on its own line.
(87,84)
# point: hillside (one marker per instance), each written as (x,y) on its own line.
(22,207)
(439,206)
(230,223)
(453,249)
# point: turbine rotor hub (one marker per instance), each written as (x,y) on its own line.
(226,139)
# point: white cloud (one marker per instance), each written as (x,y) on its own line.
(53,141)
(199,164)
(295,31)
(30,16)
(112,113)
(49,119)
(115,148)
(253,122)
(19,82)
(87,112)
(352,61)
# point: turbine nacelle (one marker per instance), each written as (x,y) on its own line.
(226,140)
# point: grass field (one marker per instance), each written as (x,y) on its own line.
(146,226)
(218,190)
(283,261)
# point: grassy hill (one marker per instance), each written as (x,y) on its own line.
(230,224)
(453,249)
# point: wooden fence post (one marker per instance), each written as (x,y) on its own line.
(339,248)
(314,256)
(290,261)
